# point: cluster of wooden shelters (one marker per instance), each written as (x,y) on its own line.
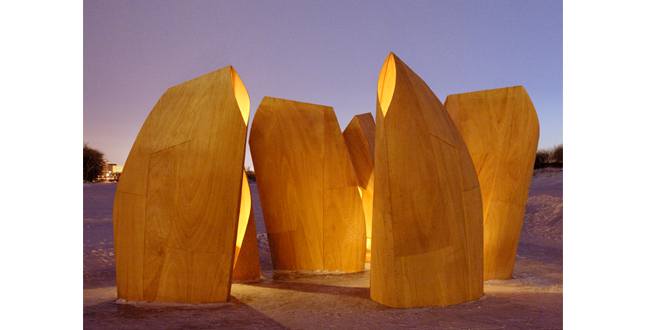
(432,194)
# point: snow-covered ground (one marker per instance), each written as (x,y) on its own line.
(532,299)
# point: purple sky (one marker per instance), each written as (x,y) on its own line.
(322,52)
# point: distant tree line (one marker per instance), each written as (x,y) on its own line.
(92,163)
(552,157)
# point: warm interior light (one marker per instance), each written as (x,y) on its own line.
(241,95)
(245,211)
(386,82)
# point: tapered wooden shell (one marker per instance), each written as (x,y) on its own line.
(359,138)
(177,204)
(310,199)
(427,221)
(501,129)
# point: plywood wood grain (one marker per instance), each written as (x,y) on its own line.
(247,258)
(427,237)
(310,198)
(501,129)
(359,138)
(177,204)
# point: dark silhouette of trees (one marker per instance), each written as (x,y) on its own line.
(557,154)
(92,163)
(541,159)
(552,157)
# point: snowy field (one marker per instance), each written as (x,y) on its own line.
(532,299)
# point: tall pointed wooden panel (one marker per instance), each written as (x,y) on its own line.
(310,199)
(177,205)
(247,258)
(359,138)
(501,130)
(427,222)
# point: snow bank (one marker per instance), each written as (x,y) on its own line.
(532,299)
(544,208)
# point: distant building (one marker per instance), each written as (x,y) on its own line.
(111,172)
(114,168)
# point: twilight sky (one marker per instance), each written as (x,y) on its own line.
(322,52)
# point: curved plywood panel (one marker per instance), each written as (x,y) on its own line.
(177,204)
(427,221)
(247,258)
(359,138)
(310,198)
(501,129)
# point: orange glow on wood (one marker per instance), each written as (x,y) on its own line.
(386,84)
(242,97)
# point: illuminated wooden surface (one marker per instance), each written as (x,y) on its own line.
(359,138)
(310,199)
(501,129)
(177,204)
(427,235)
(247,258)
